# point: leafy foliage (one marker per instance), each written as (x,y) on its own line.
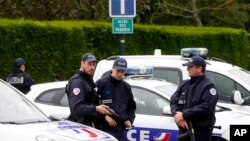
(231,13)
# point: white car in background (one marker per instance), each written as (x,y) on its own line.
(232,81)
(151,96)
(20,120)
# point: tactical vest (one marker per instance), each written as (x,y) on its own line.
(17,80)
(89,98)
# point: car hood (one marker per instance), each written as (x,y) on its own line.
(56,131)
(227,118)
(234,117)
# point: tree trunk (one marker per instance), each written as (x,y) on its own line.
(196,14)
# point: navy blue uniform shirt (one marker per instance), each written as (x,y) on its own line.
(202,95)
(82,98)
(117,94)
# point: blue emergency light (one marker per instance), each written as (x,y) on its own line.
(139,70)
(190,52)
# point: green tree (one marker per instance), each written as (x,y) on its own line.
(205,12)
(146,9)
(92,9)
(36,9)
(232,13)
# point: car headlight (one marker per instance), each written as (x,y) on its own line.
(49,138)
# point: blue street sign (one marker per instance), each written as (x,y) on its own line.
(122,8)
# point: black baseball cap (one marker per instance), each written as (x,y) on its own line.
(88,57)
(19,62)
(195,61)
(120,64)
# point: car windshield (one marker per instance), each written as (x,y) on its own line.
(14,108)
(242,74)
(167,89)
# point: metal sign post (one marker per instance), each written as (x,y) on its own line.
(122,44)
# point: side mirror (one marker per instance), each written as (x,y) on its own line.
(167,111)
(237,98)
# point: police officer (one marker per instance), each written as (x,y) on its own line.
(81,91)
(18,78)
(117,94)
(194,102)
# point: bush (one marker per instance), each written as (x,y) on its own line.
(55,47)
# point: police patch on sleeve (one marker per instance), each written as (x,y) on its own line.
(76,91)
(212,91)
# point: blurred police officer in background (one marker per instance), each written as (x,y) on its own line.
(117,94)
(81,91)
(194,102)
(18,78)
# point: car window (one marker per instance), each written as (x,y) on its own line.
(50,97)
(226,86)
(148,102)
(172,75)
(64,100)
(244,93)
(106,74)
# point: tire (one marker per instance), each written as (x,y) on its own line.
(218,139)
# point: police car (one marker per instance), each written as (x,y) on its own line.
(151,95)
(20,120)
(232,81)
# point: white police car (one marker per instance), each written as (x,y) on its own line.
(151,96)
(20,120)
(230,79)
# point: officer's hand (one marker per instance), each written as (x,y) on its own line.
(128,124)
(112,123)
(178,117)
(103,109)
(183,124)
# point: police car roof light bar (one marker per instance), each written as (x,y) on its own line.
(139,70)
(190,52)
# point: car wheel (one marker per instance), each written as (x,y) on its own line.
(218,139)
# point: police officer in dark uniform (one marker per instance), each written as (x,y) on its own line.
(117,94)
(81,91)
(194,102)
(18,78)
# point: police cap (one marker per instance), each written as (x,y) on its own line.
(19,62)
(196,61)
(120,64)
(88,57)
